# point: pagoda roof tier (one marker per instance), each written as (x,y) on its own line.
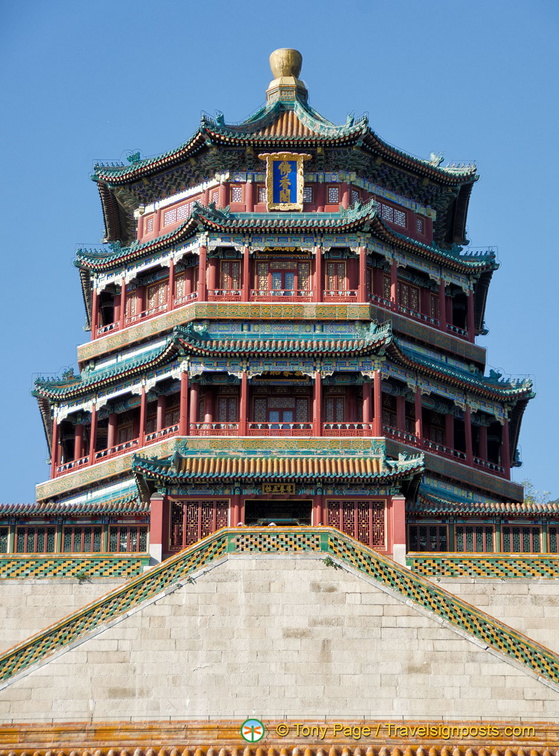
(195,341)
(123,505)
(70,386)
(358,218)
(430,505)
(281,464)
(200,343)
(286,125)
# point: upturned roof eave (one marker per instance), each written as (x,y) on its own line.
(113,176)
(80,387)
(354,219)
(440,175)
(499,393)
(431,505)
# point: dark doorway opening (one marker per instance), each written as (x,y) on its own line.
(278,511)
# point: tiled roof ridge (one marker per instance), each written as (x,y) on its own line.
(362,216)
(486,385)
(282,467)
(322,130)
(201,342)
(420,591)
(53,388)
(117,504)
(431,504)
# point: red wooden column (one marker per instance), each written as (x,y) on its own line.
(345,195)
(111,430)
(468,435)
(194,395)
(482,451)
(189,272)
(160,416)
(367,404)
(377,404)
(318,510)
(401,412)
(78,441)
(317,404)
(394,284)
(143,407)
(505,449)
(171,289)
(398,529)
(123,303)
(183,405)
(471,317)
(449,430)
(222,196)
(320,196)
(212,274)
(249,197)
(202,265)
(54,448)
(94,313)
(245,290)
(442,305)
(243,408)
(93,435)
(362,283)
(318,277)
(235,512)
(158,527)
(418,414)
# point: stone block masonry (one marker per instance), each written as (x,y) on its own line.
(287,638)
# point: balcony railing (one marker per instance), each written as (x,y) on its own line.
(486,465)
(186,298)
(214,429)
(419,316)
(171,430)
(280,429)
(151,313)
(113,451)
(224,295)
(73,465)
(347,429)
(281,295)
(441,449)
(341,295)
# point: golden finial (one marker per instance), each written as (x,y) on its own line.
(286,62)
(286,86)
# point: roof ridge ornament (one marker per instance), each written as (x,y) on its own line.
(286,86)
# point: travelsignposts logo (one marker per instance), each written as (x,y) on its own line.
(252,730)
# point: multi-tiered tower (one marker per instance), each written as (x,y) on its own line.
(283,325)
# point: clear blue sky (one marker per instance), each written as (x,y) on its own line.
(95,79)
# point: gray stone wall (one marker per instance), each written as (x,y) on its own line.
(530,606)
(27,606)
(271,637)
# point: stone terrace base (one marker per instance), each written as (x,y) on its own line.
(392,737)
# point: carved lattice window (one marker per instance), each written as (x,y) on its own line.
(230,275)
(193,520)
(126,538)
(521,538)
(79,539)
(474,538)
(428,537)
(335,276)
(38,540)
(361,519)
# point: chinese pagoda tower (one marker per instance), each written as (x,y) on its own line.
(283,331)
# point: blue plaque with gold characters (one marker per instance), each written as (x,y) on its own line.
(284,180)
